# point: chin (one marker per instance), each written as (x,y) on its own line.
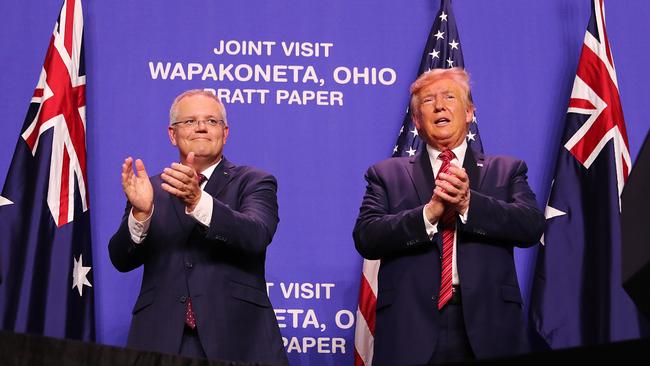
(203,154)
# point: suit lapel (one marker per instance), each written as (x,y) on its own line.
(222,174)
(184,220)
(422,175)
(474,166)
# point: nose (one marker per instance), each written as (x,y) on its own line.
(201,125)
(438,105)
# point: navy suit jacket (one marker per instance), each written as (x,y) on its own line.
(502,214)
(221,267)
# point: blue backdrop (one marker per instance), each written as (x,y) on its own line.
(522,57)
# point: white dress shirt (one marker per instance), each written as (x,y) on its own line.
(432,228)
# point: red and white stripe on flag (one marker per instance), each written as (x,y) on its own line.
(365,324)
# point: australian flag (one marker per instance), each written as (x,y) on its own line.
(45,227)
(442,51)
(577,295)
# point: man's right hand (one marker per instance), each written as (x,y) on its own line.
(434,209)
(137,188)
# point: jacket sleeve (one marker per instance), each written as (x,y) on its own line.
(124,253)
(251,227)
(378,232)
(514,221)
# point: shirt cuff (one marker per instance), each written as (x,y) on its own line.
(139,229)
(463,217)
(431,229)
(203,210)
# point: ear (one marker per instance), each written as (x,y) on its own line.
(171,131)
(469,114)
(225,134)
(416,120)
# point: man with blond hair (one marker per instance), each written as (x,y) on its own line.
(444,224)
(200,229)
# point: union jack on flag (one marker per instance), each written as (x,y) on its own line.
(577,296)
(595,95)
(59,103)
(45,231)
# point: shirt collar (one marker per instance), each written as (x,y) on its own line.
(459,151)
(209,170)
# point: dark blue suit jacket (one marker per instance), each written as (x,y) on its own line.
(221,267)
(502,214)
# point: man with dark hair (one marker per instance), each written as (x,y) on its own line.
(444,224)
(200,229)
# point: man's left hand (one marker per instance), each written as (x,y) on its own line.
(182,181)
(453,188)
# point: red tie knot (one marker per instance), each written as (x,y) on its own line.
(201,178)
(447,156)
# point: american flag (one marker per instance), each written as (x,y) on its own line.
(577,296)
(442,51)
(45,231)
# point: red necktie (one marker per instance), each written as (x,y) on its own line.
(201,178)
(190,319)
(448,230)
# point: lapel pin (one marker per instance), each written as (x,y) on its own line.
(479,164)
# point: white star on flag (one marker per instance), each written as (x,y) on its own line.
(439,35)
(410,151)
(401,130)
(550,213)
(79,273)
(470,136)
(434,54)
(473,118)
(450,62)
(395,149)
(443,17)
(453,44)
(4,201)
(414,132)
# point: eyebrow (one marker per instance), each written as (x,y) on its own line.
(210,116)
(446,91)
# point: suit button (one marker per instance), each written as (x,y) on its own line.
(183,299)
(189,265)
